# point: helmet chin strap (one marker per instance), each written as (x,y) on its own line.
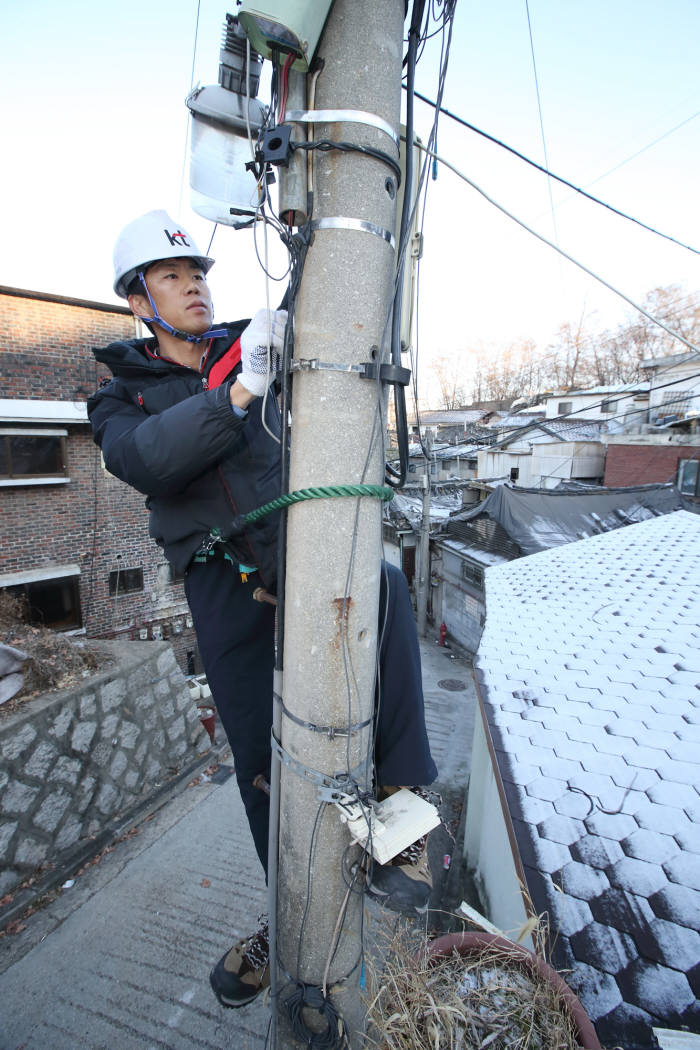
(187,337)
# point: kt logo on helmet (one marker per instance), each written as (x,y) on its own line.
(177,238)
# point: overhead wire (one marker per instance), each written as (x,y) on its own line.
(649,145)
(539,110)
(188,117)
(571,259)
(550,174)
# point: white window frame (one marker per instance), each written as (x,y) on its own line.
(35,479)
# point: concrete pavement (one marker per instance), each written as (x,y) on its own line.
(120,960)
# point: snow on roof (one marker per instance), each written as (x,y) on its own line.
(469,550)
(589,667)
(455,451)
(572,430)
(442,504)
(520,419)
(669,361)
(620,388)
(448,415)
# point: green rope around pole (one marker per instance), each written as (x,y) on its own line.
(382,492)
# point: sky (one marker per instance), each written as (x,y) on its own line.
(94,132)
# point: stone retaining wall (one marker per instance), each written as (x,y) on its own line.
(76,758)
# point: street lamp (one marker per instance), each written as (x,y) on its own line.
(226,118)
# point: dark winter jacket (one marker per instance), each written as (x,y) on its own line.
(170,432)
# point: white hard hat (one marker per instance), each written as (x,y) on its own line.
(146,240)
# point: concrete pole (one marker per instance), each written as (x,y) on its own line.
(424,548)
(333,545)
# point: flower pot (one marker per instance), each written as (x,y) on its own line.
(207,716)
(475,943)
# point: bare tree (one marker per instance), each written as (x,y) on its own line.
(450,373)
(577,358)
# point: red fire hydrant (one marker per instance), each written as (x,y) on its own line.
(443,632)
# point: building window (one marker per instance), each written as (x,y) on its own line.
(125,581)
(689,477)
(473,574)
(675,404)
(32,455)
(564,408)
(606,407)
(52,603)
(175,576)
(514,473)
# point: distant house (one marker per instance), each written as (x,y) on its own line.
(584,794)
(668,455)
(74,539)
(540,454)
(456,425)
(674,393)
(619,406)
(448,462)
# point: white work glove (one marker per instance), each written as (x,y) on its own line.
(256,372)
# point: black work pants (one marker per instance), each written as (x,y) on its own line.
(236,642)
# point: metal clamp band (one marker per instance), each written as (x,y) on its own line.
(330,788)
(387,372)
(312,364)
(342,222)
(350,116)
(331,731)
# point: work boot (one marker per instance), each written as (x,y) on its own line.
(405,882)
(244,971)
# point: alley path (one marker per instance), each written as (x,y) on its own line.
(120,961)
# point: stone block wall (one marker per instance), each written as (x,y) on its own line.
(75,759)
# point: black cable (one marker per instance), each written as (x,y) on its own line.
(326,144)
(309,997)
(550,174)
(399,395)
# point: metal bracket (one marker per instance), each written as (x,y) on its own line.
(344,116)
(275,148)
(330,788)
(387,373)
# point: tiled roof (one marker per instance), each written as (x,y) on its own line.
(589,667)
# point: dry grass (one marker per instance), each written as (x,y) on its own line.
(462,1004)
(54,660)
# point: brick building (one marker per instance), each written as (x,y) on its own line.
(73,538)
(646,459)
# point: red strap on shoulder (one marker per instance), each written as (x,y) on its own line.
(223,368)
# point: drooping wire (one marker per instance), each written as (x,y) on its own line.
(552,175)
(581,266)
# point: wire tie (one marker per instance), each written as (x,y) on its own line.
(331,731)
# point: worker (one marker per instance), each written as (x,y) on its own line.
(190,419)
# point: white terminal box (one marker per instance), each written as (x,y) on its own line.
(395,823)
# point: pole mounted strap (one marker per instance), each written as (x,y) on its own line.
(343,222)
(341,116)
(330,788)
(388,373)
(330,731)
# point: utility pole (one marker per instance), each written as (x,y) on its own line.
(334,545)
(424,549)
